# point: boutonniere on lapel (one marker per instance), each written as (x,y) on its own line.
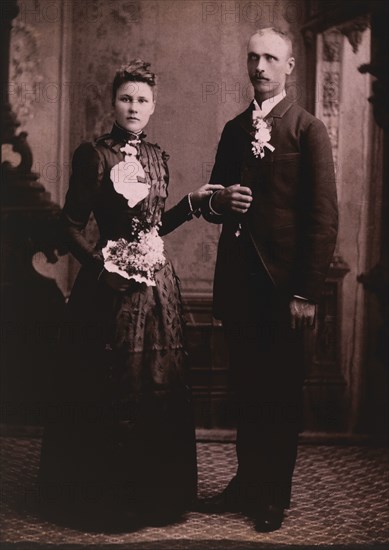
(262,135)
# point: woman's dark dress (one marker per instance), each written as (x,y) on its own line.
(123,435)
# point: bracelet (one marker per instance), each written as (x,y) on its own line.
(190,203)
(210,205)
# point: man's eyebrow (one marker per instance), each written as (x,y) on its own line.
(268,54)
(272,55)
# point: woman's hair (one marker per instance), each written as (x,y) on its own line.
(136,70)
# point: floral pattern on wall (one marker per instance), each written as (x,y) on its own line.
(25,75)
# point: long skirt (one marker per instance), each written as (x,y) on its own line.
(122,435)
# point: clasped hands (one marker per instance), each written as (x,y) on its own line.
(204,192)
(235,198)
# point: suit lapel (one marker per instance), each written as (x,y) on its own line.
(245,120)
(280,109)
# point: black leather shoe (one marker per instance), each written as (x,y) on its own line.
(269,518)
(226,501)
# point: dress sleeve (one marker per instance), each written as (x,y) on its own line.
(178,214)
(85,181)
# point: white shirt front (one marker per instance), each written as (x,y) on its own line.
(267,105)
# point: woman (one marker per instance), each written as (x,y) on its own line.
(123,445)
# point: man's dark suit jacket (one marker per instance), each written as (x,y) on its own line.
(292,221)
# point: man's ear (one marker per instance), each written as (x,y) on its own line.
(290,65)
(153,109)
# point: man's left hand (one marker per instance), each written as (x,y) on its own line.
(302,313)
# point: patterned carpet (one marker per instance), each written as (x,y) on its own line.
(340,500)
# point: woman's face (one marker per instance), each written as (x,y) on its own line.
(134,105)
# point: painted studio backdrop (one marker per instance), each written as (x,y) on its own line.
(62,59)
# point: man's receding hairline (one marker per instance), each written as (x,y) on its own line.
(278,32)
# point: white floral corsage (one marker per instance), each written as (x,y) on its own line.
(262,137)
(139,259)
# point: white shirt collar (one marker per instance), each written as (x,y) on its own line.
(268,104)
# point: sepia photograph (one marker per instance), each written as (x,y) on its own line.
(194,274)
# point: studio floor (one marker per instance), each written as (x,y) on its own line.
(340,500)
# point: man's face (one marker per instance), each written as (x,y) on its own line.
(268,63)
(134,104)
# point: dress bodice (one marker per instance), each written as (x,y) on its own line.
(91,188)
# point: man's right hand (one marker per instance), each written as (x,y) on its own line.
(232,199)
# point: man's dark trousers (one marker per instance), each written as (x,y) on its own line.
(267,374)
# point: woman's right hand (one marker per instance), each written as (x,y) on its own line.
(203,192)
(115,281)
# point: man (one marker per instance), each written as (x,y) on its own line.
(279,214)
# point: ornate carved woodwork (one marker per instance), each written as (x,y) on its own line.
(326,399)
(30,303)
(328,98)
(333,19)
(351,18)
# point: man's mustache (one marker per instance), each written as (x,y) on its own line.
(260,77)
